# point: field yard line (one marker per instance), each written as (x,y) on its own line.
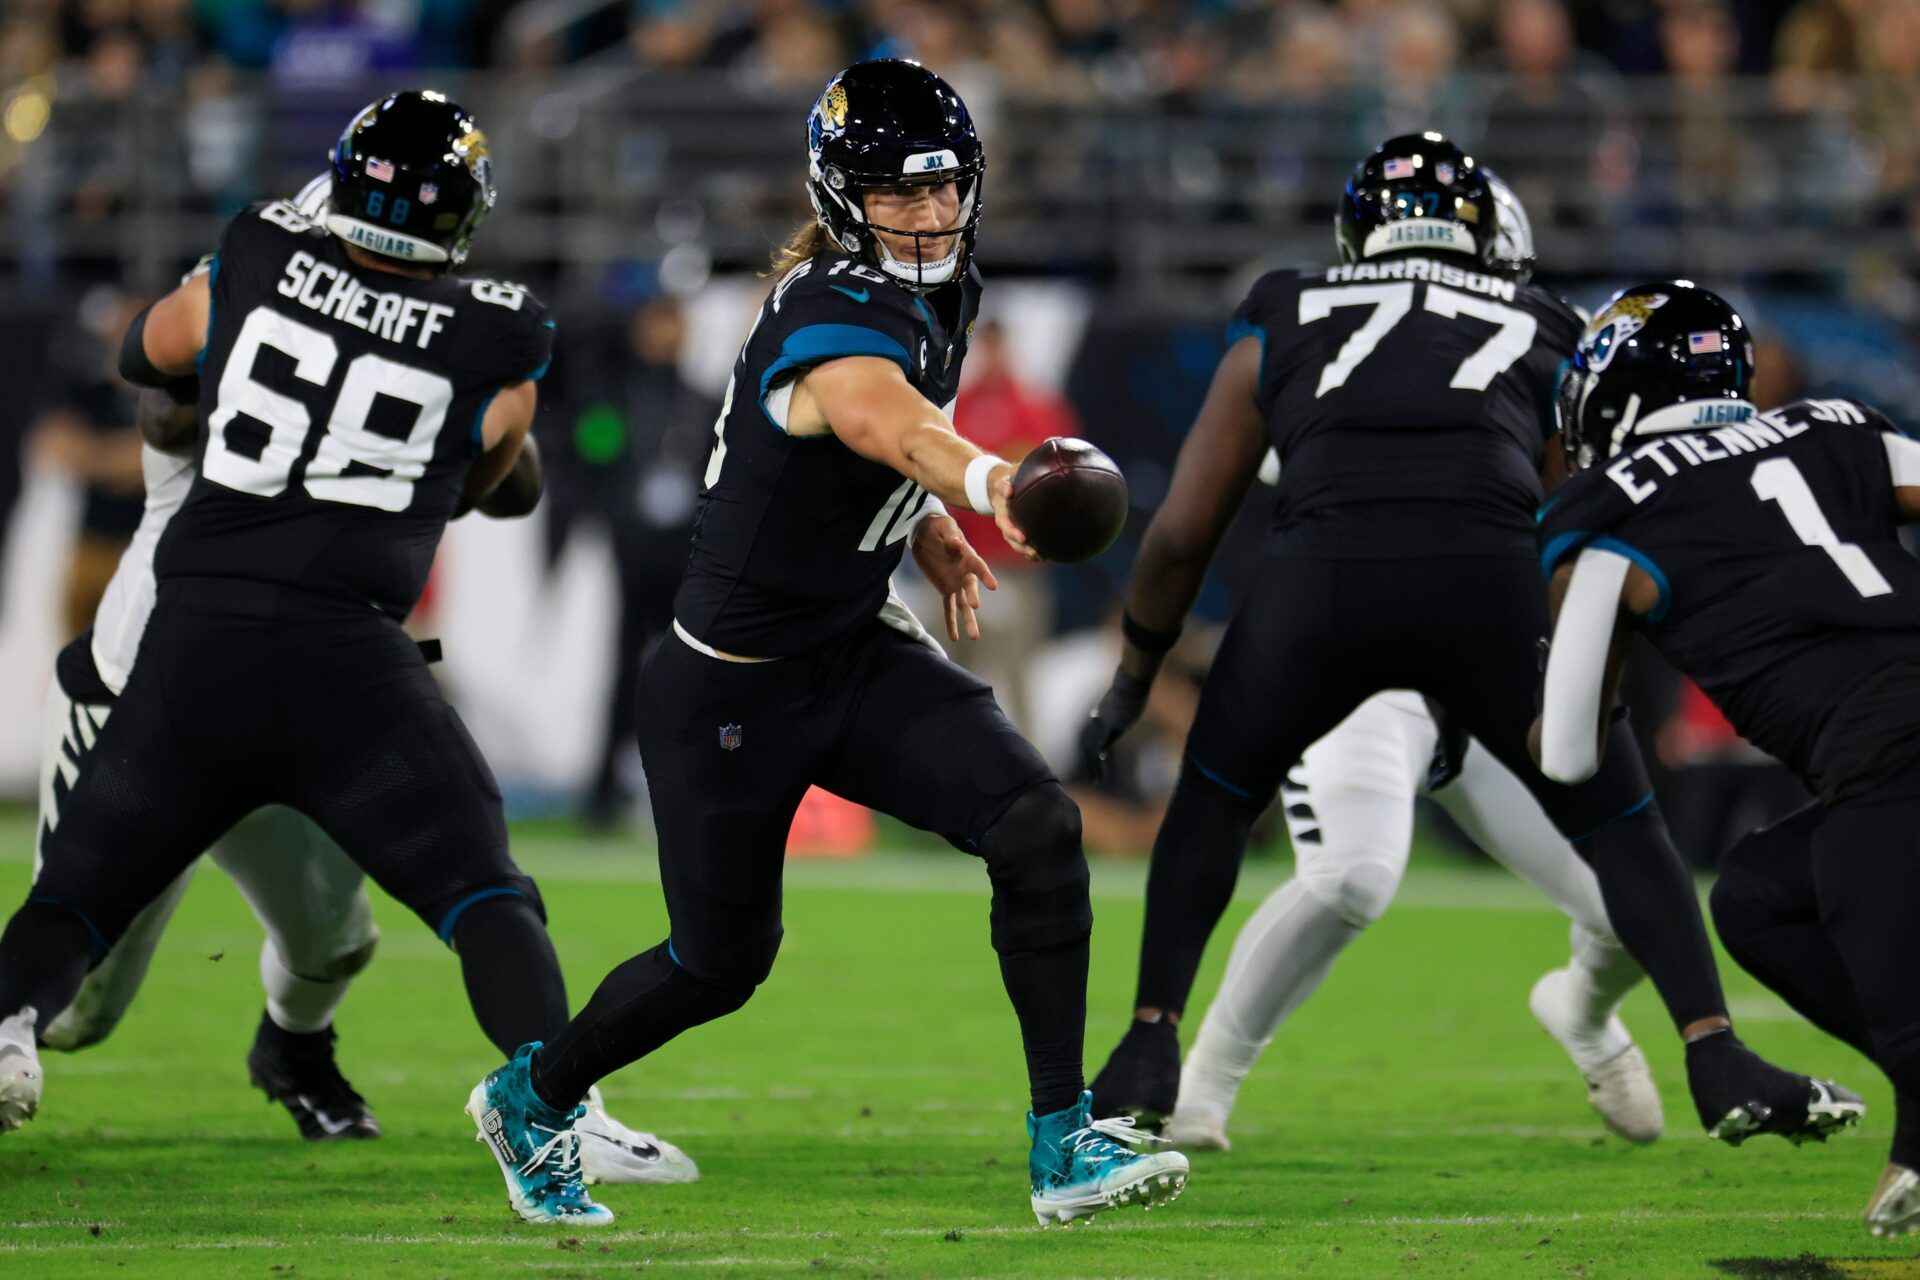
(444,1239)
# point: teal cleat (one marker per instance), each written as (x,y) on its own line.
(536,1145)
(1080,1167)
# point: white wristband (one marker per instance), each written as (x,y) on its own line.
(976,483)
(932,507)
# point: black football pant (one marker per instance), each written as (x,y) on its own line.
(1313,640)
(880,719)
(246,695)
(1824,907)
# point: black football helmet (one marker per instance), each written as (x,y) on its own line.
(1657,358)
(412,179)
(888,122)
(1421,193)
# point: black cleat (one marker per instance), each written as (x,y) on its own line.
(1739,1095)
(1142,1076)
(298,1072)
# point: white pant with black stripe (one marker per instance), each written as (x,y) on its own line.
(308,896)
(1349,807)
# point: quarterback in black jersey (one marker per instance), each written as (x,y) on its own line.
(1409,393)
(792,665)
(353,395)
(1758,552)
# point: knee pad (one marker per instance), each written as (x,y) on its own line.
(708,997)
(1200,780)
(340,968)
(518,886)
(1357,889)
(1039,873)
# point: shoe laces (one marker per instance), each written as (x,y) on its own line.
(558,1156)
(1101,1140)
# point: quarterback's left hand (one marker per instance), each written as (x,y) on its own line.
(955,569)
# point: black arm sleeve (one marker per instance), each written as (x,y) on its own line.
(136,368)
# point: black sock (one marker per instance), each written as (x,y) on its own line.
(1049,993)
(44,956)
(1196,860)
(637,1008)
(512,975)
(1650,899)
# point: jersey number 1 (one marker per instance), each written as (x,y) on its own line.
(398,463)
(1778,480)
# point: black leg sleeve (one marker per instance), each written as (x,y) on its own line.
(44,956)
(1196,861)
(638,1007)
(1042,922)
(512,975)
(1650,899)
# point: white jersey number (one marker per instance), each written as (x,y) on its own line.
(1778,480)
(347,439)
(1391,304)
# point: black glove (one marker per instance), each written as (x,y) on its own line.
(1119,708)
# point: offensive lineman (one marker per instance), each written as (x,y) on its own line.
(308,896)
(353,395)
(1349,811)
(1758,552)
(793,666)
(1407,393)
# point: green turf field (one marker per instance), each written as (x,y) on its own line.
(863,1116)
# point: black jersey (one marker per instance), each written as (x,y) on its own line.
(341,407)
(1783,587)
(796,537)
(1408,400)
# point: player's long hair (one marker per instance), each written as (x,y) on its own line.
(809,240)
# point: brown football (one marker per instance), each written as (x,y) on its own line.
(1069,499)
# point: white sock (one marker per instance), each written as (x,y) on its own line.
(1280,958)
(300,1005)
(1603,971)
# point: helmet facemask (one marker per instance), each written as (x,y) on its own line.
(839,199)
(883,125)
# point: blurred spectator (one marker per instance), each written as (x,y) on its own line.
(1698,150)
(85,430)
(1550,128)
(1417,50)
(1004,414)
(625,448)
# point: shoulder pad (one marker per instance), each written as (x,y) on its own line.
(1583,509)
(1836,411)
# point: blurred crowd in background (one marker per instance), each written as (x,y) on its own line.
(1145,155)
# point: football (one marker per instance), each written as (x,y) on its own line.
(1070,499)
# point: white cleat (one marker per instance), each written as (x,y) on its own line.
(612,1153)
(20,1075)
(1619,1081)
(1198,1129)
(1894,1209)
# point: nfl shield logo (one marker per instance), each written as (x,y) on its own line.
(428,193)
(1443,172)
(729,737)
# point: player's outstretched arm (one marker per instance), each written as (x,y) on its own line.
(1217,465)
(1592,601)
(163,343)
(505,480)
(868,403)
